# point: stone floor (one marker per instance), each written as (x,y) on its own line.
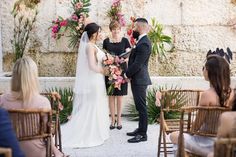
(117,145)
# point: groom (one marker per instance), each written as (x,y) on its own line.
(138,74)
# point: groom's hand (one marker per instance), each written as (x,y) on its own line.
(126,78)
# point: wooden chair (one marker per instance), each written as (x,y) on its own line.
(172,101)
(6,152)
(32,124)
(201,121)
(225,147)
(56,127)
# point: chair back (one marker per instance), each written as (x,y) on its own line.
(32,124)
(56,127)
(6,152)
(171,102)
(201,121)
(225,147)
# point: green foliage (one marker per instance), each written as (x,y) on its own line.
(153,110)
(66,100)
(159,39)
(23,25)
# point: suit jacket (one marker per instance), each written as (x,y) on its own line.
(138,63)
(7,135)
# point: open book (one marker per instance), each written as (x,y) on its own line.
(125,54)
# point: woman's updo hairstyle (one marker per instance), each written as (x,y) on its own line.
(91,29)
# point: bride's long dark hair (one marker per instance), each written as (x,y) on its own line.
(91,29)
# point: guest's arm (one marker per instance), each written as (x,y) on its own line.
(7,135)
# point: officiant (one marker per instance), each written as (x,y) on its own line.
(116,45)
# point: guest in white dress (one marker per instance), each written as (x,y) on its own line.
(89,125)
(217,72)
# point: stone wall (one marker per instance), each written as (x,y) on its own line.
(195,26)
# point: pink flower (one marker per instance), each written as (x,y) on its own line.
(74,17)
(54,35)
(173,102)
(69,117)
(63,23)
(118,71)
(78,5)
(60,106)
(55,29)
(158,98)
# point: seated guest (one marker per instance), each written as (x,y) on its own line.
(217,72)
(7,135)
(25,94)
(227,125)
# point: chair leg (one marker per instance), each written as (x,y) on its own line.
(159,143)
(164,143)
(59,137)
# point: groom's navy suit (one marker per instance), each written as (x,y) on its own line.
(137,72)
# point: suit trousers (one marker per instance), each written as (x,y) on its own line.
(139,94)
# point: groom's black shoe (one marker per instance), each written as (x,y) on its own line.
(138,138)
(134,133)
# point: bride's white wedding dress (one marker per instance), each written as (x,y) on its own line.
(89,124)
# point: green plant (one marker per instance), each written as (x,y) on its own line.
(24,15)
(66,100)
(159,39)
(153,110)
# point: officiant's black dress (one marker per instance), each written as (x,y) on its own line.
(117,49)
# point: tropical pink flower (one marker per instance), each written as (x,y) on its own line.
(60,106)
(63,23)
(79,5)
(74,17)
(55,29)
(69,117)
(173,102)
(158,98)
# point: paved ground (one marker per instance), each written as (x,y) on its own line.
(117,145)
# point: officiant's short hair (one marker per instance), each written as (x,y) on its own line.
(143,20)
(114,24)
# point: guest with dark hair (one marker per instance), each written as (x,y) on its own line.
(7,135)
(216,71)
(227,125)
(116,45)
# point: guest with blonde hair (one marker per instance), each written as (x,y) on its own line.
(25,94)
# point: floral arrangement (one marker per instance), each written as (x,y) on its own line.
(130,31)
(62,101)
(115,12)
(114,63)
(73,24)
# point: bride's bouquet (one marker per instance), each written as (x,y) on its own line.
(115,76)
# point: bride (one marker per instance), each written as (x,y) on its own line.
(89,125)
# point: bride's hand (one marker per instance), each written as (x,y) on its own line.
(106,71)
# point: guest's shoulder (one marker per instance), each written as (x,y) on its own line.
(43,101)
(208,98)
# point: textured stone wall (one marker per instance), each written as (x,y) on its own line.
(195,26)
